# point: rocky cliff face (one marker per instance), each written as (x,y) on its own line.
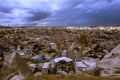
(14,65)
(110,64)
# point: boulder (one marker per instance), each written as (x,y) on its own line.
(37,74)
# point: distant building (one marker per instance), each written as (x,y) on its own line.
(80,66)
(45,68)
(53,46)
(64,53)
(84,65)
(64,63)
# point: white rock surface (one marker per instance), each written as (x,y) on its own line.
(113,53)
(17,77)
(110,64)
(37,74)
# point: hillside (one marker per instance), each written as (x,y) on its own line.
(52,51)
(69,77)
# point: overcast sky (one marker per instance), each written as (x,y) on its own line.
(60,12)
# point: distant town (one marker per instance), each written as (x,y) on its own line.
(26,51)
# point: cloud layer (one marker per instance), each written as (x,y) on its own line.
(60,12)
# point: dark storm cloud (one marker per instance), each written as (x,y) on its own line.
(5,10)
(60,12)
(105,17)
(39,16)
(89,14)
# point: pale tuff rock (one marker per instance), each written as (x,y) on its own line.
(110,67)
(13,64)
(113,53)
(110,64)
(17,77)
